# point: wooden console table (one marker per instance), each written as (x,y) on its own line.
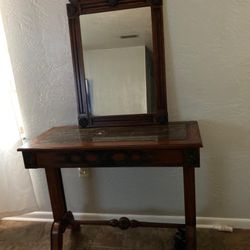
(172,145)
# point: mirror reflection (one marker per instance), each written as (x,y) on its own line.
(117,51)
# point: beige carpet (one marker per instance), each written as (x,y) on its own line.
(33,235)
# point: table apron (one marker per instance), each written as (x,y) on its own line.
(113,158)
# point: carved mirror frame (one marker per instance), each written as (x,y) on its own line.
(80,7)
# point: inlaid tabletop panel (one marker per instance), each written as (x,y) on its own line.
(176,134)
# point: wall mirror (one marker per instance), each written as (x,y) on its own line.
(117,52)
(118,58)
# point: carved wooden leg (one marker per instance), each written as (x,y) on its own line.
(62,218)
(69,220)
(56,236)
(190,207)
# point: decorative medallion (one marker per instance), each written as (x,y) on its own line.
(124,223)
(191,157)
(162,118)
(72,10)
(83,121)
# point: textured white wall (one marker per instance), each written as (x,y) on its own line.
(208,73)
(39,46)
(208,57)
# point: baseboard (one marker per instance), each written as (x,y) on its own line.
(202,222)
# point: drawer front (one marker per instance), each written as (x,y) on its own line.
(111,158)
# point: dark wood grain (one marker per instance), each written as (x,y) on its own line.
(69,138)
(56,192)
(159,61)
(190,207)
(62,217)
(110,158)
(56,236)
(58,204)
(86,119)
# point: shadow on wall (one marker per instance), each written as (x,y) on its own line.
(81,192)
(90,191)
(173,108)
(126,191)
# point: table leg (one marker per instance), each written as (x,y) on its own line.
(190,207)
(62,218)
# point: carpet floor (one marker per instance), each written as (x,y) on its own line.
(34,235)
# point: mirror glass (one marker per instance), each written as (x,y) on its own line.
(118,54)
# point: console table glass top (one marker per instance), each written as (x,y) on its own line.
(175,133)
